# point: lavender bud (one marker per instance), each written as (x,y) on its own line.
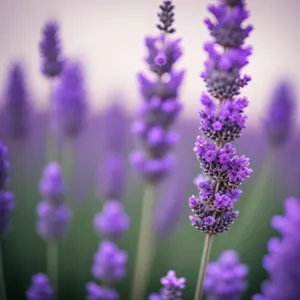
(40,288)
(225,278)
(96,292)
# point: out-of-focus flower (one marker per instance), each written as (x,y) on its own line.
(50,50)
(69,101)
(96,292)
(112,222)
(282,262)
(109,263)
(225,278)
(40,288)
(172,288)
(279,122)
(6,206)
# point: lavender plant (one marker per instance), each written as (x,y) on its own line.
(6,206)
(172,288)
(40,288)
(16,101)
(225,278)
(221,121)
(53,216)
(284,255)
(158,111)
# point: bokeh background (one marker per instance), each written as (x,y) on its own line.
(107,36)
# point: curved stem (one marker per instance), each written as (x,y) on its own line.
(2,279)
(52,265)
(203,265)
(145,247)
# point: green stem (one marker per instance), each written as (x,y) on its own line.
(203,265)
(145,247)
(2,280)
(52,265)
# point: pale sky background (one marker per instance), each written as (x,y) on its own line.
(108,37)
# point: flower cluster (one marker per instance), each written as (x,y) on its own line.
(222,120)
(6,198)
(53,213)
(40,288)
(160,106)
(50,50)
(172,288)
(225,278)
(282,262)
(96,292)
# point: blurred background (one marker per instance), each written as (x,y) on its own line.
(107,37)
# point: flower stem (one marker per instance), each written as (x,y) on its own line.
(2,280)
(52,265)
(203,265)
(145,247)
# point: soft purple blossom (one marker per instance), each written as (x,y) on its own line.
(96,292)
(109,263)
(225,278)
(16,101)
(4,165)
(112,222)
(282,261)
(50,50)
(69,101)
(7,205)
(172,288)
(40,288)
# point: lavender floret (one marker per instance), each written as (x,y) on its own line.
(40,288)
(96,292)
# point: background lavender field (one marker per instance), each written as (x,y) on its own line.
(108,38)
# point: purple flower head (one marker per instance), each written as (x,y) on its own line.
(52,187)
(40,288)
(69,101)
(282,261)
(50,50)
(112,222)
(16,99)
(225,278)
(172,288)
(4,165)
(279,122)
(109,263)
(160,104)
(96,292)
(6,206)
(228,29)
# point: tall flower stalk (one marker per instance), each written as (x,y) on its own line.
(221,121)
(158,111)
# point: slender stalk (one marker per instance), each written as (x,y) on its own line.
(145,247)
(2,279)
(203,265)
(52,265)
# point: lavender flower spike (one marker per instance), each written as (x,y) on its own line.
(112,222)
(53,213)
(69,101)
(225,278)
(16,98)
(160,105)
(40,288)
(282,262)
(279,123)
(172,288)
(96,292)
(50,50)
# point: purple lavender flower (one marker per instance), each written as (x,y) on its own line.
(160,106)
(53,213)
(4,165)
(50,50)
(96,292)
(69,101)
(40,288)
(280,115)
(225,278)
(282,262)
(222,119)
(109,263)
(112,222)
(17,104)
(172,288)
(6,206)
